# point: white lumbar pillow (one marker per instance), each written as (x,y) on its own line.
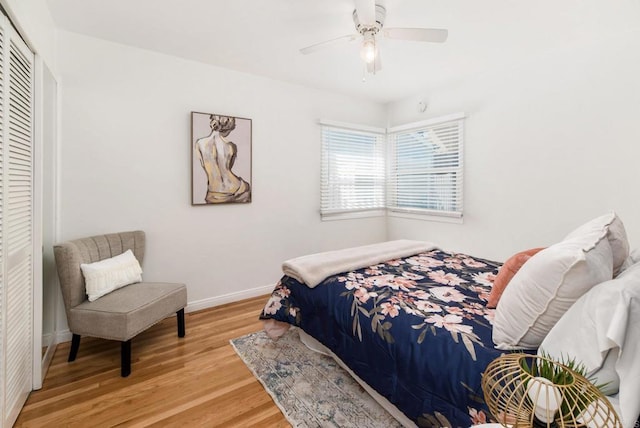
(547,285)
(108,275)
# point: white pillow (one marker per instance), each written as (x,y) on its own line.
(634,257)
(606,377)
(108,275)
(611,226)
(546,286)
(601,328)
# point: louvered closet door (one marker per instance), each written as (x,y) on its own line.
(16,221)
(2,282)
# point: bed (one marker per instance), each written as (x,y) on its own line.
(415,329)
(414,325)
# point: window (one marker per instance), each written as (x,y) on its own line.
(425,167)
(353,170)
(421,174)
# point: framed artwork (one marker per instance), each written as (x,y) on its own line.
(220,159)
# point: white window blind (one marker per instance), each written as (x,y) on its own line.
(425,172)
(353,170)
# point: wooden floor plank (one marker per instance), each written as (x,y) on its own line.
(195,381)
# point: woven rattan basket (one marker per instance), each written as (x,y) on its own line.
(513,390)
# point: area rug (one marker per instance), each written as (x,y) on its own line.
(311,389)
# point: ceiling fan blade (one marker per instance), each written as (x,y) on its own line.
(366,10)
(327,43)
(433,35)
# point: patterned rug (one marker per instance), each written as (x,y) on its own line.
(311,389)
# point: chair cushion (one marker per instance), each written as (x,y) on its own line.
(69,255)
(125,312)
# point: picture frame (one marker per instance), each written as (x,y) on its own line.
(220,159)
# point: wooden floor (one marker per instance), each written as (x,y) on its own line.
(196,381)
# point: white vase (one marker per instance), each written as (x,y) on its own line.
(546,398)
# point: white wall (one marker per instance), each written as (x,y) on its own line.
(126,157)
(549,144)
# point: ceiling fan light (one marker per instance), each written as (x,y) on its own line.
(369,50)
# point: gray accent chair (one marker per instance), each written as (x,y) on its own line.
(123,313)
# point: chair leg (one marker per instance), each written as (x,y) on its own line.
(180,316)
(125,357)
(75,345)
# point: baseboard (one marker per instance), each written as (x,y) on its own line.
(197,305)
(47,339)
(63,336)
(228,298)
(48,355)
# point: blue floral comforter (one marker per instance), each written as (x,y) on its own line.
(415,329)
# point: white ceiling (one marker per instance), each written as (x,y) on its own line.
(263,36)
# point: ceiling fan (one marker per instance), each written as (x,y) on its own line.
(368,18)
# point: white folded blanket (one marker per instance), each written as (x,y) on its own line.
(315,268)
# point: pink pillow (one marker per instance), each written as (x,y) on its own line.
(507,271)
